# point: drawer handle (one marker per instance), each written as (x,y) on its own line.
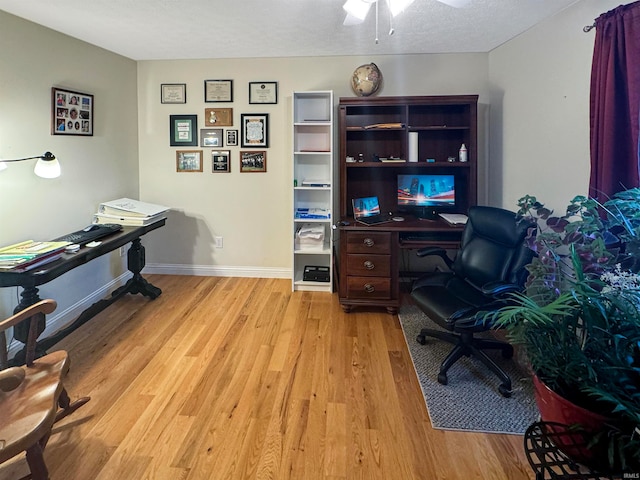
(369,265)
(368,242)
(369,288)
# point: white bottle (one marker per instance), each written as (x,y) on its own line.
(462,155)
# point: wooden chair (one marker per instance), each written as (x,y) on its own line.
(32,397)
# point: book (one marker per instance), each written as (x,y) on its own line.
(131,208)
(105,218)
(30,249)
(24,264)
(454,218)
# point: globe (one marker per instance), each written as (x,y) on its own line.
(366,80)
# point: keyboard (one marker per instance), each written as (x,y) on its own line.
(90,233)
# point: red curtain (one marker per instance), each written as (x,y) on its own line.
(615,102)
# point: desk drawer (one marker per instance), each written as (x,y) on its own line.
(369,242)
(368,287)
(369,265)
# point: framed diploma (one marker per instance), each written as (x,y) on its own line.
(218,90)
(173,93)
(183,130)
(263,92)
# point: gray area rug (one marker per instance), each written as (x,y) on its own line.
(471,400)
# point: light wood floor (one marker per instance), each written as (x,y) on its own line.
(239,378)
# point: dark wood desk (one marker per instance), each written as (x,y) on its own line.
(368,267)
(31,279)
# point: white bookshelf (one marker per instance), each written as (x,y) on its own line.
(313,185)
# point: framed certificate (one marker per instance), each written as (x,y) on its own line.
(218,90)
(255,129)
(263,92)
(173,93)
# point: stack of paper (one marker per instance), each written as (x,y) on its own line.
(309,213)
(27,255)
(309,236)
(126,211)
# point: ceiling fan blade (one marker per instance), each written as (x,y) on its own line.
(357,9)
(456,3)
(350,20)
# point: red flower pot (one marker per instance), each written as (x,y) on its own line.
(554,408)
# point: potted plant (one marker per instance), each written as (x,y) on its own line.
(578,320)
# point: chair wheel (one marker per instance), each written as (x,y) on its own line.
(442,378)
(504,391)
(507,352)
(421,339)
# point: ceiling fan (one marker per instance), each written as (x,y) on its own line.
(357,10)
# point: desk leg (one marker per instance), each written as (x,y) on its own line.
(137,284)
(29,297)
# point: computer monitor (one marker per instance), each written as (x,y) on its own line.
(426,195)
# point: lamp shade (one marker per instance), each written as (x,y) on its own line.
(47,168)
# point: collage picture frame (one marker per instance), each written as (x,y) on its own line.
(71,112)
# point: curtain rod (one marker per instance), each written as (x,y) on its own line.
(588,28)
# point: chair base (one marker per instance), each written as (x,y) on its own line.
(467,345)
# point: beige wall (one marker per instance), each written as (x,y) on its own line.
(253,212)
(540,110)
(104,166)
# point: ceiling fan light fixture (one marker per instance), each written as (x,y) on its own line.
(456,3)
(357,9)
(398,6)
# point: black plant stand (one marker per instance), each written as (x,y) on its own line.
(549,462)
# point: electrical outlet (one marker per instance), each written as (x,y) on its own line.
(218,241)
(122,251)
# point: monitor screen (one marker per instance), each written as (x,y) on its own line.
(436,190)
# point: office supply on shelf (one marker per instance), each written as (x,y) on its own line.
(413,146)
(105,218)
(454,218)
(313,213)
(313,273)
(309,236)
(131,208)
(90,233)
(383,126)
(316,183)
(367,211)
(391,160)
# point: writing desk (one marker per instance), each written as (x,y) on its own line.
(31,279)
(368,268)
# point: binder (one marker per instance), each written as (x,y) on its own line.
(105,218)
(127,207)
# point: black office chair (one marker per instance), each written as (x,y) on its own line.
(489,264)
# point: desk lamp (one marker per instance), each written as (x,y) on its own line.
(46,167)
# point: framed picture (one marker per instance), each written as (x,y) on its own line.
(173,93)
(232,138)
(71,112)
(189,161)
(218,90)
(183,130)
(218,117)
(253,161)
(263,92)
(220,161)
(211,137)
(255,129)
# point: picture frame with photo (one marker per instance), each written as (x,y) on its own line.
(71,112)
(255,130)
(232,138)
(218,91)
(253,161)
(173,93)
(220,161)
(263,92)
(189,161)
(183,130)
(211,137)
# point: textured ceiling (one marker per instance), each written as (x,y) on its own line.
(189,29)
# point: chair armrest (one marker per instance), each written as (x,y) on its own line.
(499,289)
(435,251)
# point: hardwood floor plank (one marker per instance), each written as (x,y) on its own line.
(242,379)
